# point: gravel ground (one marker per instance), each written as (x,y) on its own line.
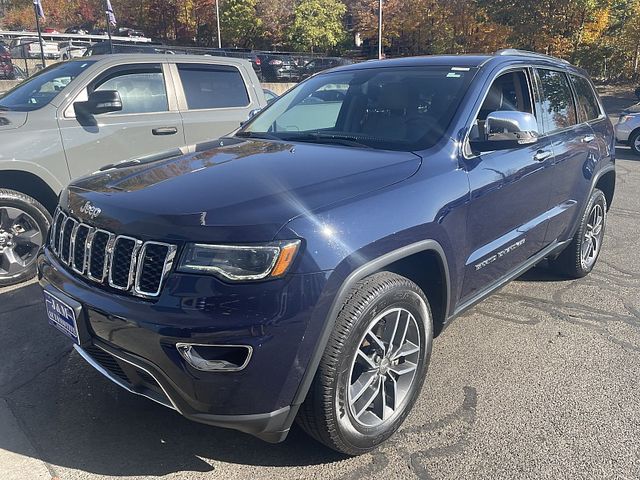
(538,381)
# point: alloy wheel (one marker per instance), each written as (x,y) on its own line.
(384,367)
(20,240)
(593,234)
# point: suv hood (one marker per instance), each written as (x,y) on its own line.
(241,191)
(12,120)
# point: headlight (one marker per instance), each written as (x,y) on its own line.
(626,118)
(239,262)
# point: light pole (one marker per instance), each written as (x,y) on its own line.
(218,22)
(380,31)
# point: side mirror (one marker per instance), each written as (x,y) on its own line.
(101,101)
(505,130)
(252,114)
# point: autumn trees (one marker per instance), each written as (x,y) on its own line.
(601,35)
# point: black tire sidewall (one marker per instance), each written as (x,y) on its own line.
(596,197)
(42,217)
(357,436)
(632,142)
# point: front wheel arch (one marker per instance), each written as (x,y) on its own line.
(352,279)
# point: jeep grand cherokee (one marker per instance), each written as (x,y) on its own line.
(299,268)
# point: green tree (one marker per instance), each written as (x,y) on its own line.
(317,24)
(240,24)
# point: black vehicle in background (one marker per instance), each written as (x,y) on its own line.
(322,63)
(279,67)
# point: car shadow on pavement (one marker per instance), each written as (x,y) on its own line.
(77,419)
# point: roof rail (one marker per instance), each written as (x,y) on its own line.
(527,53)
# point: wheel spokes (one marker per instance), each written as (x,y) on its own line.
(384,367)
(10,262)
(365,401)
(361,385)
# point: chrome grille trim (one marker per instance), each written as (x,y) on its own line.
(54,230)
(107,255)
(132,266)
(74,237)
(168,263)
(69,221)
(135,278)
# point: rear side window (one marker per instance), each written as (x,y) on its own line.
(558,110)
(588,107)
(212,86)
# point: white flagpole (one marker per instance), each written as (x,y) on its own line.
(218,22)
(380,31)
(37,12)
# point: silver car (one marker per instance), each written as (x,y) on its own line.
(628,130)
(75,117)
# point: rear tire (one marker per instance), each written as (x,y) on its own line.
(580,256)
(24,224)
(373,367)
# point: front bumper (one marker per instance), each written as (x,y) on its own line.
(132,342)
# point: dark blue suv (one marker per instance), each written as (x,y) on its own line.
(297,269)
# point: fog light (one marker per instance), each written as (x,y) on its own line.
(215,358)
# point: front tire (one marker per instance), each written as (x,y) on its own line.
(634,142)
(24,224)
(580,256)
(373,367)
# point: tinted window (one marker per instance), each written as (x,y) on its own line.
(212,86)
(43,87)
(508,92)
(405,108)
(558,110)
(588,107)
(141,90)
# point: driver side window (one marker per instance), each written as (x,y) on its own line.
(509,92)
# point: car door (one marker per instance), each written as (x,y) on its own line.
(575,151)
(509,192)
(148,123)
(213,99)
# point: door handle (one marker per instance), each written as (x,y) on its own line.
(165,131)
(542,155)
(588,138)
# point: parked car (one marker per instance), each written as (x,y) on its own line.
(7,70)
(77,30)
(129,32)
(323,63)
(628,128)
(29,47)
(72,49)
(75,117)
(298,268)
(279,68)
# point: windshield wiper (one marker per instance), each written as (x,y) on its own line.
(4,109)
(329,138)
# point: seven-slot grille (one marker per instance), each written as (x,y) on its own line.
(122,262)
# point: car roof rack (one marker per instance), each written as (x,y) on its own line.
(527,53)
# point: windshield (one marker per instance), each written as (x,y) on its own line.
(406,108)
(39,90)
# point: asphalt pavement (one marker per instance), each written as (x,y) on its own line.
(538,381)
